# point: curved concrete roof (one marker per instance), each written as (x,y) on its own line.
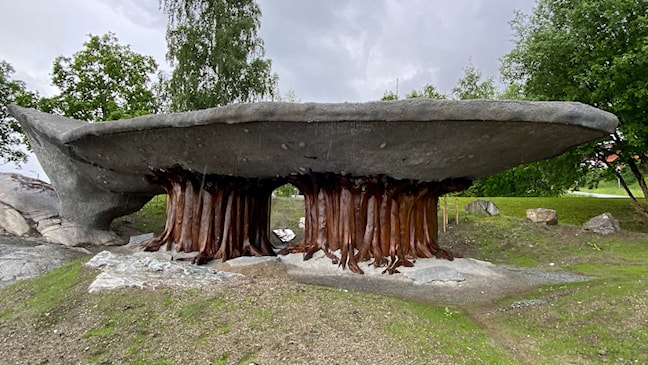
(421,139)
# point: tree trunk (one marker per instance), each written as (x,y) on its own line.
(390,221)
(640,180)
(220,217)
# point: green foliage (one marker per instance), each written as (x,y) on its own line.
(592,51)
(12,91)
(103,81)
(289,97)
(429,92)
(389,95)
(471,86)
(543,178)
(286,190)
(217,55)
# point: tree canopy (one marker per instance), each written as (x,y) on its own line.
(103,81)
(595,52)
(12,91)
(471,86)
(217,56)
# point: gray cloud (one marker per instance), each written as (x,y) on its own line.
(336,50)
(355,50)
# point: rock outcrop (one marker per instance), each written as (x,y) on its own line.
(31,207)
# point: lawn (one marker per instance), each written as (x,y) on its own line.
(602,320)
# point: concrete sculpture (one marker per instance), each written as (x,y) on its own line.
(371,173)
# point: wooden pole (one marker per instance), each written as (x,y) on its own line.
(445,214)
(457,211)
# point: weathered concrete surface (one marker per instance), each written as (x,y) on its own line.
(145,272)
(33,198)
(82,197)
(430,140)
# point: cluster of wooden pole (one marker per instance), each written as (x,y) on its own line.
(220,217)
(444,211)
(389,221)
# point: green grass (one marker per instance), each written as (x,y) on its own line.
(53,288)
(152,217)
(601,320)
(613,188)
(571,210)
(286,212)
(432,329)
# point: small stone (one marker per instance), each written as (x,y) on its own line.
(603,224)
(12,221)
(284,234)
(602,352)
(542,215)
(481,206)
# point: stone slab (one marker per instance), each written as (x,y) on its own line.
(423,139)
(125,271)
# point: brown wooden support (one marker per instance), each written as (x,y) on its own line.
(220,217)
(390,221)
(350,219)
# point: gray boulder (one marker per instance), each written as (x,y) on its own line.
(542,215)
(604,224)
(144,272)
(480,206)
(12,221)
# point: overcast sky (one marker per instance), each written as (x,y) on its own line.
(324,51)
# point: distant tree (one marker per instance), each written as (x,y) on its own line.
(428,91)
(217,56)
(12,91)
(471,86)
(389,95)
(289,97)
(592,51)
(103,81)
